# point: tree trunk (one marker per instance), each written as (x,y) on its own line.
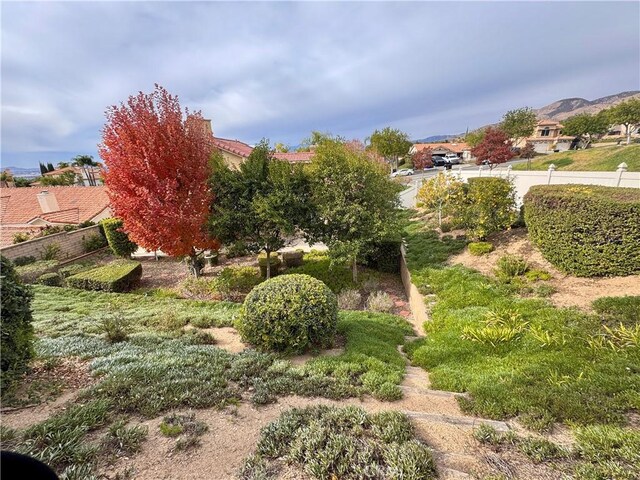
(268,264)
(194,263)
(355,270)
(628,125)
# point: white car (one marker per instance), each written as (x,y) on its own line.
(452,158)
(402,173)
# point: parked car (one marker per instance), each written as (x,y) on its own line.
(452,158)
(403,172)
(438,161)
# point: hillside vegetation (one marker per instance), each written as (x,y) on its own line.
(592,159)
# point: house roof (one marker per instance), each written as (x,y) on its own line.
(72,168)
(233,146)
(549,123)
(76,204)
(454,147)
(294,157)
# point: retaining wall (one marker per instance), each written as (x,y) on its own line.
(70,243)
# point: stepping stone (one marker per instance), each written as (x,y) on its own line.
(400,303)
(405,313)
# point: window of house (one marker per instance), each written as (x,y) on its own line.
(544,132)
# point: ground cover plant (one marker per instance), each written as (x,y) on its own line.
(519,356)
(329,442)
(67,311)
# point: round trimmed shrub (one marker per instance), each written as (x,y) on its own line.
(15,323)
(50,279)
(586,230)
(291,314)
(118,240)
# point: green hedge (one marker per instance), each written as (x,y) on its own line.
(15,324)
(586,230)
(118,276)
(489,206)
(291,313)
(384,256)
(118,240)
(50,279)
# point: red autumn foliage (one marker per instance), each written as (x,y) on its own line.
(495,148)
(157,171)
(422,159)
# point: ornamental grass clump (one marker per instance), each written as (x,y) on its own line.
(291,314)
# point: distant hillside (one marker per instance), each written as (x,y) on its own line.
(24,172)
(568,107)
(436,138)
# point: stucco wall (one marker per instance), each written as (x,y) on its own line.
(70,244)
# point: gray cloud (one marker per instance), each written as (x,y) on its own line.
(282,69)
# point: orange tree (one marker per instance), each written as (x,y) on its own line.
(157,167)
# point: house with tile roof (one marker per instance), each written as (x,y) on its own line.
(548,138)
(461,149)
(85,176)
(31,209)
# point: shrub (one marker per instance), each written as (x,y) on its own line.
(20,237)
(237,279)
(586,230)
(237,249)
(15,324)
(446,227)
(21,261)
(384,256)
(510,266)
(293,259)
(336,276)
(50,252)
(480,248)
(349,300)
(94,242)
(274,260)
(72,269)
(30,272)
(50,279)
(380,302)
(537,274)
(115,327)
(118,239)
(118,276)
(489,206)
(290,313)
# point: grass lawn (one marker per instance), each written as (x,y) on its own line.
(522,356)
(592,159)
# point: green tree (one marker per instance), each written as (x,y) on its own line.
(316,138)
(15,323)
(50,167)
(281,147)
(263,204)
(519,124)
(391,143)
(354,200)
(473,139)
(62,165)
(586,126)
(627,114)
(66,178)
(22,182)
(441,193)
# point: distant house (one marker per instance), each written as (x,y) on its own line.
(461,149)
(31,209)
(548,138)
(236,152)
(85,176)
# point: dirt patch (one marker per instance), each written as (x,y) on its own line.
(227,338)
(570,291)
(165,272)
(44,391)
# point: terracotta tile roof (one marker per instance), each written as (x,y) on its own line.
(7,233)
(548,122)
(71,215)
(20,205)
(233,146)
(77,170)
(295,157)
(454,147)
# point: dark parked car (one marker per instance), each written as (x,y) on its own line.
(438,161)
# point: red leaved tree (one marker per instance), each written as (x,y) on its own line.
(495,148)
(157,168)
(422,159)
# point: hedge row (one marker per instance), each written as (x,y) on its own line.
(586,230)
(118,276)
(117,238)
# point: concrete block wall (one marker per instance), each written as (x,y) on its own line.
(70,244)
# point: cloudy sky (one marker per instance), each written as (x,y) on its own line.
(280,70)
